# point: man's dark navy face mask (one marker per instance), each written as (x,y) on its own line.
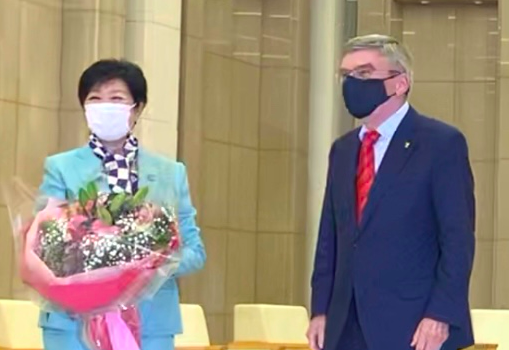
(363,96)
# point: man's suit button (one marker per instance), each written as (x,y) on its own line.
(355,246)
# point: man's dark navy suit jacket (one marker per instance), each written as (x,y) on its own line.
(411,255)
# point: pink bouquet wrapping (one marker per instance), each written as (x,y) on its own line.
(94,257)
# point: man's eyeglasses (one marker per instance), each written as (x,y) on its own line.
(366,74)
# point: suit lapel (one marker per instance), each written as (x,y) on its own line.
(89,169)
(350,172)
(401,147)
(147,172)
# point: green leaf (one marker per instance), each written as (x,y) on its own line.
(117,202)
(69,195)
(92,191)
(83,197)
(46,226)
(129,203)
(104,215)
(140,196)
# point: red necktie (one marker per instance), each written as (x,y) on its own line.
(365,170)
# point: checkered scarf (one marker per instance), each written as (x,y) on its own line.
(121,169)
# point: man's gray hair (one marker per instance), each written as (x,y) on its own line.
(388,46)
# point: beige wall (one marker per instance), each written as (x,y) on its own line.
(30,43)
(44,47)
(500,278)
(243,136)
(457,79)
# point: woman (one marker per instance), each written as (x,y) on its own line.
(113,94)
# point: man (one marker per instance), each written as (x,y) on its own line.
(396,240)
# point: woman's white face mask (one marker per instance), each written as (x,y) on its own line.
(108,121)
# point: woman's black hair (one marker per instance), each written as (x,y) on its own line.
(106,70)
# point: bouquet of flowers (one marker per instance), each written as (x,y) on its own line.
(95,256)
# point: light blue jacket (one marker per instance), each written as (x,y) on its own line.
(167,182)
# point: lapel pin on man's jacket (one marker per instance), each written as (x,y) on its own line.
(407,144)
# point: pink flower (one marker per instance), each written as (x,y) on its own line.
(174,228)
(76,228)
(102,199)
(89,206)
(174,243)
(145,216)
(100,227)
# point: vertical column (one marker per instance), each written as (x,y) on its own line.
(325,124)
(153,41)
